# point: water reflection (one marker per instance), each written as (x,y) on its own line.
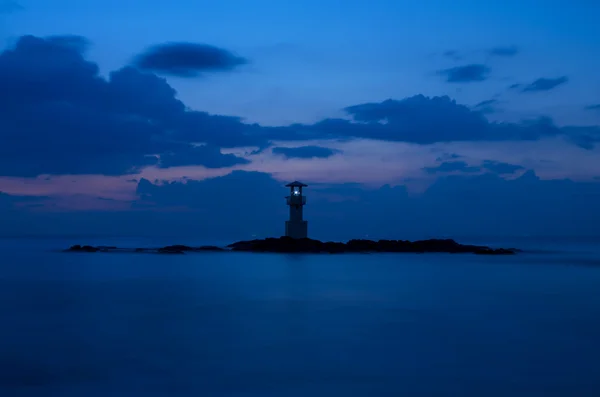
(276,325)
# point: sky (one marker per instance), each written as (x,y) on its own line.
(407,119)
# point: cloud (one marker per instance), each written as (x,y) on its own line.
(585,137)
(500,51)
(593,107)
(10,6)
(244,212)
(59,116)
(76,43)
(15,202)
(495,167)
(455,205)
(453,54)
(466,74)
(486,106)
(501,168)
(466,204)
(205,155)
(448,156)
(509,51)
(305,152)
(451,166)
(545,84)
(486,103)
(187,59)
(412,120)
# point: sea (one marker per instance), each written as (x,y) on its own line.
(280,325)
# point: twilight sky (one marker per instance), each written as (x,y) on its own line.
(407,119)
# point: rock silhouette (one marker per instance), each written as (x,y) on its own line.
(307,245)
(290,245)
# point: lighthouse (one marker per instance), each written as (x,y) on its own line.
(296,227)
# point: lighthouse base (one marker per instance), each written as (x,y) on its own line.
(296,229)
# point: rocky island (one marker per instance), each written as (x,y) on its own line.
(307,245)
(296,240)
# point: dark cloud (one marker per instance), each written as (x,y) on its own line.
(411,120)
(448,156)
(187,59)
(585,137)
(305,152)
(210,210)
(223,131)
(244,212)
(451,166)
(465,204)
(544,84)
(453,54)
(12,202)
(486,103)
(498,167)
(10,6)
(515,86)
(487,106)
(509,51)
(593,107)
(466,74)
(205,155)
(495,167)
(76,43)
(59,116)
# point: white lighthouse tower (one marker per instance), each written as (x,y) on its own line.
(296,227)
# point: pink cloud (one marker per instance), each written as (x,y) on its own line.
(368,162)
(66,185)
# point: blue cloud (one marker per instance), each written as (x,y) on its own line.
(545,84)
(453,54)
(585,137)
(466,74)
(509,51)
(10,6)
(448,156)
(593,107)
(205,155)
(305,152)
(187,59)
(455,205)
(11,202)
(451,166)
(411,120)
(462,204)
(500,168)
(487,106)
(59,116)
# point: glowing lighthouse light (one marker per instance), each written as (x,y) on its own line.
(296,226)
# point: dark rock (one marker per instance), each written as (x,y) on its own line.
(498,251)
(173,249)
(209,248)
(185,248)
(176,248)
(84,248)
(306,245)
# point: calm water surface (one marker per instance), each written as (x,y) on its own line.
(236,324)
